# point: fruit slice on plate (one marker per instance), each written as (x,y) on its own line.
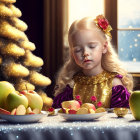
(71,111)
(91,111)
(13,112)
(3,111)
(36,111)
(29,110)
(100,109)
(89,106)
(82,110)
(21,110)
(72,104)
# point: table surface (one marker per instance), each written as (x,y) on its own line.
(108,127)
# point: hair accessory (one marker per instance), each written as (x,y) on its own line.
(103,24)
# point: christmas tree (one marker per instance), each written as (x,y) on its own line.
(18,65)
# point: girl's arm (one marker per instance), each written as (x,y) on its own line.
(120,95)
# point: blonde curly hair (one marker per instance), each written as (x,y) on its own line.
(109,62)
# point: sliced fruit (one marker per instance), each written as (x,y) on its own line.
(71,111)
(72,104)
(91,111)
(82,110)
(21,110)
(3,111)
(36,111)
(88,106)
(66,110)
(29,110)
(61,111)
(31,113)
(51,111)
(13,112)
(100,109)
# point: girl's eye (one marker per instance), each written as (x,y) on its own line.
(92,46)
(78,50)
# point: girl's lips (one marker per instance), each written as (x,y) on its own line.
(85,61)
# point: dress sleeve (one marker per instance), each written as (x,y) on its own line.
(120,97)
(64,96)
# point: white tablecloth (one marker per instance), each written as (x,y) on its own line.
(108,127)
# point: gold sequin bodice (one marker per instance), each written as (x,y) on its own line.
(99,86)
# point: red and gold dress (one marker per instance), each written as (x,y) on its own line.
(99,86)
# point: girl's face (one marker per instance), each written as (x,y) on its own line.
(88,48)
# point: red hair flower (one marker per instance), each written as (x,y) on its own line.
(103,23)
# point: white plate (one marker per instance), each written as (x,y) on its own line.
(24,118)
(54,113)
(81,117)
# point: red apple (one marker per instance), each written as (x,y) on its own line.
(89,106)
(72,104)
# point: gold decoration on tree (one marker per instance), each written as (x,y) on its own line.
(8,47)
(32,60)
(20,86)
(12,69)
(38,79)
(18,64)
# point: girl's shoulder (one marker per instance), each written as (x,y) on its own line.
(117,80)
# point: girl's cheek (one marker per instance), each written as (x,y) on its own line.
(78,58)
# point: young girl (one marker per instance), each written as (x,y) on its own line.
(93,68)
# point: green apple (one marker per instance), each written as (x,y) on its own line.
(134,102)
(5,89)
(15,99)
(34,99)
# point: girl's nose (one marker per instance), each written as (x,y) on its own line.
(85,54)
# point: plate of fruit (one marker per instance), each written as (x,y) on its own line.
(22,115)
(23,106)
(73,111)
